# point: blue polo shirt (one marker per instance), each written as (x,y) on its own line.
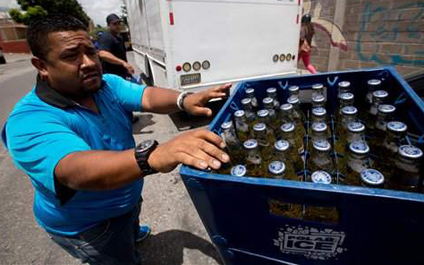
(45,126)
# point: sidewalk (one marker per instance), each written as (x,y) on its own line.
(16,57)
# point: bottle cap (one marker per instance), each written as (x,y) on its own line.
(263,113)
(321,176)
(386,108)
(259,127)
(287,106)
(246,101)
(397,126)
(239,113)
(293,99)
(410,151)
(238,171)
(319,111)
(276,167)
(322,145)
(374,82)
(319,127)
(344,84)
(281,145)
(271,90)
(293,88)
(267,100)
(227,125)
(356,127)
(318,98)
(250,91)
(372,177)
(317,86)
(250,144)
(380,94)
(359,147)
(346,96)
(287,127)
(349,110)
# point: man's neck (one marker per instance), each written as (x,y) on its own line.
(88,102)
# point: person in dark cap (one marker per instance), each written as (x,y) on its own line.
(112,49)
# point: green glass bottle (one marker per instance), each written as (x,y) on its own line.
(345,99)
(348,115)
(318,132)
(378,97)
(277,170)
(234,147)
(407,173)
(254,162)
(294,91)
(272,93)
(356,161)
(287,131)
(287,116)
(249,113)
(317,89)
(355,132)
(384,115)
(266,140)
(344,87)
(372,178)
(238,171)
(250,93)
(297,112)
(269,106)
(373,85)
(320,158)
(318,101)
(319,115)
(242,128)
(291,159)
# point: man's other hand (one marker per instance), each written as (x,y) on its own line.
(200,149)
(195,103)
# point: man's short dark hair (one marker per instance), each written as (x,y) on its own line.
(39,29)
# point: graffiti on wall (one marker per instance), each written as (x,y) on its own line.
(381,24)
(332,30)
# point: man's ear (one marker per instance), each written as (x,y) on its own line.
(41,67)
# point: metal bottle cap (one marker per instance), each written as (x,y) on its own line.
(246,101)
(319,111)
(410,151)
(293,99)
(397,126)
(349,110)
(239,114)
(319,127)
(359,147)
(380,94)
(318,98)
(322,145)
(277,167)
(374,82)
(293,88)
(227,125)
(250,144)
(271,90)
(263,113)
(356,127)
(259,127)
(346,96)
(386,108)
(372,177)
(317,86)
(321,176)
(287,106)
(281,145)
(344,84)
(267,100)
(238,170)
(287,127)
(250,91)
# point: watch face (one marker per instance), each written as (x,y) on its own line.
(145,145)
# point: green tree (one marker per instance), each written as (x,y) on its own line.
(34,9)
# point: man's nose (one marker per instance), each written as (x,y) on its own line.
(88,61)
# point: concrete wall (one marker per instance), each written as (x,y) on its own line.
(353,34)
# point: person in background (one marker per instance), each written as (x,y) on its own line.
(2,59)
(307,32)
(112,49)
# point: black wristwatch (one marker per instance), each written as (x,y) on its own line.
(142,153)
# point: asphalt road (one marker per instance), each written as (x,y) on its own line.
(179,237)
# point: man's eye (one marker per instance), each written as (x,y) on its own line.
(70,56)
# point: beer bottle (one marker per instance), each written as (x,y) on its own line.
(344,87)
(272,93)
(357,160)
(317,89)
(321,213)
(234,147)
(265,139)
(373,85)
(287,133)
(287,116)
(355,132)
(384,115)
(269,106)
(319,132)
(254,163)
(345,99)
(378,97)
(320,158)
(348,116)
(242,129)
(318,100)
(291,159)
(276,170)
(297,112)
(294,91)
(407,171)
(238,171)
(263,116)
(250,93)
(319,115)
(248,110)
(372,178)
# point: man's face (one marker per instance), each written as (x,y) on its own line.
(115,27)
(72,65)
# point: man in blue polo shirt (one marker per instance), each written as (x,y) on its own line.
(72,135)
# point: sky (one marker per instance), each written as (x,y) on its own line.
(95,9)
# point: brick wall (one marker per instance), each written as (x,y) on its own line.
(377,32)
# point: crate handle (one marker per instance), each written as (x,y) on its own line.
(421,139)
(401,99)
(285,86)
(331,83)
(234,106)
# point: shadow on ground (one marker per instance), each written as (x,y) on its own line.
(143,121)
(167,248)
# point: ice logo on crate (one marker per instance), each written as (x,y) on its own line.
(312,243)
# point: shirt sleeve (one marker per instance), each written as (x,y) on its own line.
(127,93)
(37,141)
(106,42)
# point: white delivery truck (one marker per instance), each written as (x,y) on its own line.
(188,44)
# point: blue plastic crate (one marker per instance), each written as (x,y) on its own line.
(374,226)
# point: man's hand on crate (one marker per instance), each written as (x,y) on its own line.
(195,103)
(200,149)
